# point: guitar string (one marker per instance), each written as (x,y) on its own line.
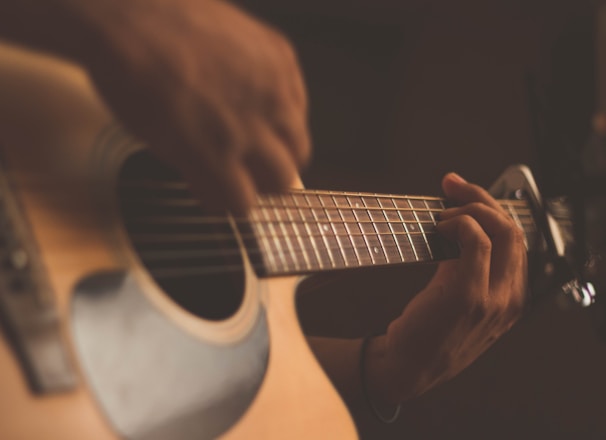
(277,206)
(211,237)
(165,273)
(180,254)
(191,202)
(275,215)
(201,220)
(513,203)
(284,265)
(154,184)
(301,251)
(296,266)
(289,262)
(293,266)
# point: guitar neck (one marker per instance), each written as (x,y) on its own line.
(306,231)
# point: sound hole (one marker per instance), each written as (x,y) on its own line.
(191,254)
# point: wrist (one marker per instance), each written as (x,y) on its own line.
(375,383)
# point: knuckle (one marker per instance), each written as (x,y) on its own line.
(476,192)
(468,222)
(477,237)
(477,207)
(483,243)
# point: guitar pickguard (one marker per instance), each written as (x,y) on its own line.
(153,379)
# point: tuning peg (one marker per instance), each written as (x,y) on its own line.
(577,293)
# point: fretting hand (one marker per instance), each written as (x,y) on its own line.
(466,307)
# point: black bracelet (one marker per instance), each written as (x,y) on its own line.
(375,411)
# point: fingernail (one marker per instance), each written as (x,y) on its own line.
(457,178)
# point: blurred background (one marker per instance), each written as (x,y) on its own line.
(404,91)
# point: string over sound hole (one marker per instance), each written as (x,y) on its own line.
(192,255)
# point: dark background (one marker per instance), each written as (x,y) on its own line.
(402,92)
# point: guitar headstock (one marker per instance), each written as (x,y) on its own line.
(558,260)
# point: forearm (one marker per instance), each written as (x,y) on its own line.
(341,361)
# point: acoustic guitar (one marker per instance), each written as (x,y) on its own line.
(127,311)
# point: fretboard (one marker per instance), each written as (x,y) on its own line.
(307,231)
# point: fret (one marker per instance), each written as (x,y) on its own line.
(279,241)
(307,246)
(306,231)
(420,211)
(383,231)
(308,218)
(371,239)
(326,232)
(434,241)
(441,248)
(268,256)
(291,256)
(392,228)
(290,227)
(415,206)
(287,231)
(344,243)
(431,207)
(398,230)
(350,253)
(402,215)
(355,233)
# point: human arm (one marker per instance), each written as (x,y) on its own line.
(212,91)
(465,308)
(444,328)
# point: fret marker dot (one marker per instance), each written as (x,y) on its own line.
(412,227)
(325,227)
(357,205)
(376,249)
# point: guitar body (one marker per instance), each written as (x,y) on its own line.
(141,366)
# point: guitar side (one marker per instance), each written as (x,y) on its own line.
(50,118)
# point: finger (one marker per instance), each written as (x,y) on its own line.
(289,59)
(227,187)
(291,127)
(508,252)
(287,116)
(473,266)
(270,164)
(461,192)
(207,151)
